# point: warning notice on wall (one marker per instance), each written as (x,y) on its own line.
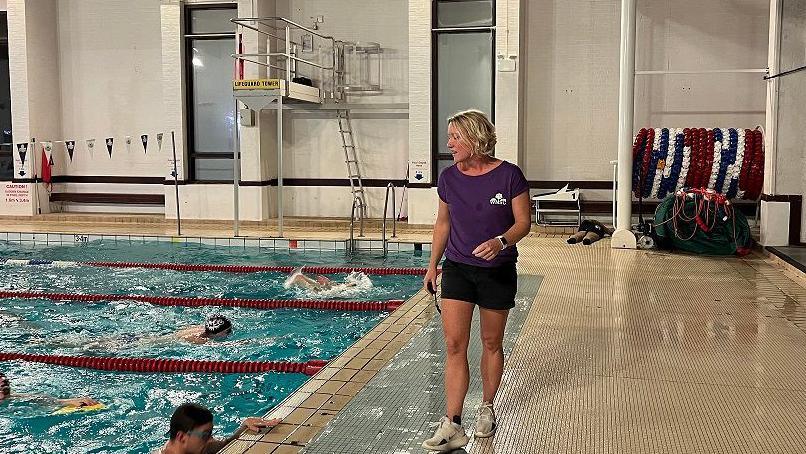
(419,170)
(17,193)
(256,84)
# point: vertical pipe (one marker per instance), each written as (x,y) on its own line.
(394,219)
(176,187)
(615,189)
(287,54)
(771,122)
(236,173)
(280,164)
(623,237)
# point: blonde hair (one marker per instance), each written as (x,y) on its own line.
(476,128)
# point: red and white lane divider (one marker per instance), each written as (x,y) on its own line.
(169,365)
(337,305)
(261,268)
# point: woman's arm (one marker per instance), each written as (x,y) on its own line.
(442,228)
(521,210)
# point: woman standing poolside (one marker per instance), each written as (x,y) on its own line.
(483,212)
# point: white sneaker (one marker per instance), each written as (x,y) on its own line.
(449,436)
(485,421)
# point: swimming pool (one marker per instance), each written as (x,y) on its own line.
(139,405)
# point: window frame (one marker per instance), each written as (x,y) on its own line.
(436,156)
(188,38)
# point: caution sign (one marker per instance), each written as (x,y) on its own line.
(256,84)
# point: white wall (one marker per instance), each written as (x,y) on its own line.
(110,54)
(791,179)
(34,78)
(313,146)
(571,87)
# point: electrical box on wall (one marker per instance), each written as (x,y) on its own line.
(506,64)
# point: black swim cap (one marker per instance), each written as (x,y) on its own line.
(216,324)
(5,386)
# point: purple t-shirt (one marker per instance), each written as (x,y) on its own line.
(480,209)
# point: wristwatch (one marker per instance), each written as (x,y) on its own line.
(503,240)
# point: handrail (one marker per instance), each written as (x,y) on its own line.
(284,55)
(394,219)
(356,202)
(288,51)
(238,20)
(785,73)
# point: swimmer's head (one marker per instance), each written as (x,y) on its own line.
(217,326)
(5,387)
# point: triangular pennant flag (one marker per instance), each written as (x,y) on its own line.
(90,145)
(22,149)
(71,148)
(109,145)
(128,143)
(144,139)
(46,171)
(47,147)
(159,141)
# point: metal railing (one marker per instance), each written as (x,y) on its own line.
(282,35)
(357,203)
(389,188)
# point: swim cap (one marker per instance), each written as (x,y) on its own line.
(5,386)
(217,324)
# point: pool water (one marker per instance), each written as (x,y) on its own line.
(139,405)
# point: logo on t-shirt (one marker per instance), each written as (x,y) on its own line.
(498,200)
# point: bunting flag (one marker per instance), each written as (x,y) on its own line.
(109,145)
(71,148)
(46,163)
(48,147)
(144,139)
(128,144)
(159,141)
(22,149)
(90,145)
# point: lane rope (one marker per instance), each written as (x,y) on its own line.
(378,306)
(151,365)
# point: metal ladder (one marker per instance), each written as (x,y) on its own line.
(351,159)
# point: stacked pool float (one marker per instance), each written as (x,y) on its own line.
(696,173)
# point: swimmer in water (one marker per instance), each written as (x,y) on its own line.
(320,283)
(216,327)
(6,395)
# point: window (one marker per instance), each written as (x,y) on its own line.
(463,68)
(210,40)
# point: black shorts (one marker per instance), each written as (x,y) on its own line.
(490,288)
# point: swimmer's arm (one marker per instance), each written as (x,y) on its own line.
(38,398)
(256,425)
(78,401)
(44,399)
(190,334)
